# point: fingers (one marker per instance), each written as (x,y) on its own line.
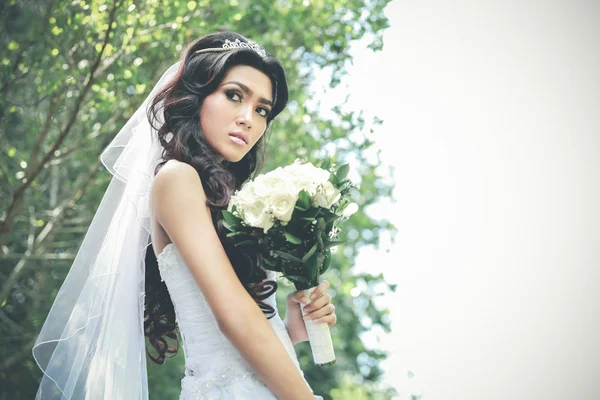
(320,312)
(330,319)
(300,297)
(320,290)
(318,303)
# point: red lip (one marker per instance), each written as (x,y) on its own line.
(240,135)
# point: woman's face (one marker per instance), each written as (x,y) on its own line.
(234,117)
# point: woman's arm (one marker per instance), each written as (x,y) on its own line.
(178,204)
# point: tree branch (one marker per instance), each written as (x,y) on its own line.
(58,214)
(42,136)
(24,257)
(17,355)
(18,195)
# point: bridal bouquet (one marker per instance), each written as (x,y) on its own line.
(293,215)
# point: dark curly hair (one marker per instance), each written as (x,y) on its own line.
(198,76)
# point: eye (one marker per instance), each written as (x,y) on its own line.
(263,112)
(231,94)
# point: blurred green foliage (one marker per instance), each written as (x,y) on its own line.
(71,74)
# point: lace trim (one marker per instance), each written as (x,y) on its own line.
(213,388)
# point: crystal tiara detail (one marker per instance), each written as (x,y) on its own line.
(228,45)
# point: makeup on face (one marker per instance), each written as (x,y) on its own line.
(234,117)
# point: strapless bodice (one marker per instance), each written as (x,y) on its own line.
(214,368)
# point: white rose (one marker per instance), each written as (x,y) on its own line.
(256,214)
(282,205)
(245,195)
(326,195)
(266,185)
(267,197)
(306,176)
(280,194)
(251,207)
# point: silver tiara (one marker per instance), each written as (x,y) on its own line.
(228,45)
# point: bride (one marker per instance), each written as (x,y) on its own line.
(156,259)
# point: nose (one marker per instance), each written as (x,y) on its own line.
(245,117)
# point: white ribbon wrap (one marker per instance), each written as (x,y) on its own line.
(319,337)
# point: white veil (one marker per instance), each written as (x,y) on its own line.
(92,344)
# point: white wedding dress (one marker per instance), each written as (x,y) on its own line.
(214,368)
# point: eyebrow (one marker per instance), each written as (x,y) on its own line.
(247,90)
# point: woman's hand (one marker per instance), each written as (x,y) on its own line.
(318,308)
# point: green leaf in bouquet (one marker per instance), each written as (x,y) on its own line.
(245,243)
(320,237)
(312,265)
(342,172)
(307,222)
(301,282)
(334,180)
(272,265)
(297,278)
(325,164)
(321,224)
(230,227)
(312,213)
(232,234)
(335,243)
(310,253)
(330,217)
(304,201)
(292,239)
(288,256)
(304,219)
(231,219)
(326,261)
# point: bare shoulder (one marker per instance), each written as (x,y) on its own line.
(175,174)
(176,188)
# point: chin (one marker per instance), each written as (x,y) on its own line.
(233,157)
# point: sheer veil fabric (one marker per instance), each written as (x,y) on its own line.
(92,343)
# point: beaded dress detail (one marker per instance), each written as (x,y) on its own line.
(214,368)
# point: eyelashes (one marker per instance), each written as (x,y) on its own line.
(236,96)
(232,93)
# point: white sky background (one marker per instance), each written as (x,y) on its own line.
(491,119)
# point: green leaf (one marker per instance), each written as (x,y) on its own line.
(335,243)
(330,217)
(312,213)
(233,234)
(288,256)
(310,253)
(334,180)
(308,218)
(245,243)
(292,239)
(297,278)
(304,201)
(326,261)
(231,219)
(301,282)
(325,164)
(313,265)
(342,172)
(321,223)
(229,227)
